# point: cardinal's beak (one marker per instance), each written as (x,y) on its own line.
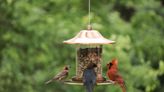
(116,62)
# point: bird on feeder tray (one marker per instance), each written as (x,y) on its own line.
(61,75)
(113,75)
(89,77)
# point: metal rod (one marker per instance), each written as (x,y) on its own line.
(89,12)
(89,15)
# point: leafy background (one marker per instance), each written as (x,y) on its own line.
(32,31)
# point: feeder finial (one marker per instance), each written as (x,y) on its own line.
(89,27)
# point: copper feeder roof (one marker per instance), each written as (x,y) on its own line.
(88,37)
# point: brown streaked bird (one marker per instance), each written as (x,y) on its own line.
(61,75)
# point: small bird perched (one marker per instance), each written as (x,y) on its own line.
(89,77)
(113,75)
(61,75)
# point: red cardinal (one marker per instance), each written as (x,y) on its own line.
(113,75)
(61,75)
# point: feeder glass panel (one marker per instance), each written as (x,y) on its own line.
(88,54)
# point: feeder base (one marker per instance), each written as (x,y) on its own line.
(99,79)
(76,79)
(70,82)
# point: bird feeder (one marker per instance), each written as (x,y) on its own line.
(89,50)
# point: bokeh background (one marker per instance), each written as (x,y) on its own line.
(32,32)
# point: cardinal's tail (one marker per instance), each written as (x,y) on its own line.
(123,87)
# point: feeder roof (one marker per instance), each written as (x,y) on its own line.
(89,37)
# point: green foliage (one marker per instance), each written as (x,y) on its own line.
(32,31)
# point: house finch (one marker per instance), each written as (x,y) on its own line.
(113,75)
(61,75)
(89,77)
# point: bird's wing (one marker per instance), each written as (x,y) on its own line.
(61,75)
(118,78)
(89,76)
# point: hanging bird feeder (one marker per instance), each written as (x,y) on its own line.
(89,50)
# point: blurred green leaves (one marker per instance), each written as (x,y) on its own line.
(32,31)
